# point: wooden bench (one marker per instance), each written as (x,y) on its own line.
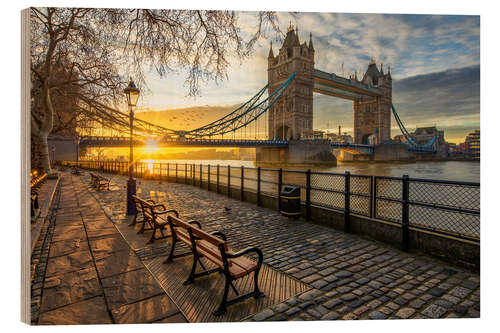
(75,170)
(152,214)
(35,183)
(99,182)
(213,247)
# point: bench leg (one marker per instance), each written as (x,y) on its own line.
(222,307)
(134,221)
(153,235)
(143,227)
(256,292)
(171,254)
(190,278)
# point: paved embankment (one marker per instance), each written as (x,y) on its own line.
(352,277)
(89,273)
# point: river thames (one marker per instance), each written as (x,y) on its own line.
(444,170)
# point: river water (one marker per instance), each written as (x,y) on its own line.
(443,170)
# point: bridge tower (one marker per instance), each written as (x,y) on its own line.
(292,114)
(372,115)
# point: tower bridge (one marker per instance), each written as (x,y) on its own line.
(275,125)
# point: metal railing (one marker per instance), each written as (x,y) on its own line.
(447,208)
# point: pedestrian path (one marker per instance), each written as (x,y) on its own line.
(92,276)
(350,277)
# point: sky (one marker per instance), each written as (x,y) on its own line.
(434,63)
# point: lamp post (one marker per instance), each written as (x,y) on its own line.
(132,94)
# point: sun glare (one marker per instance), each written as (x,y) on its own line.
(151,147)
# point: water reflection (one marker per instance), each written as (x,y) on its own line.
(445,170)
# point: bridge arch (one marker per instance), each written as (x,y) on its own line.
(284,133)
(369,139)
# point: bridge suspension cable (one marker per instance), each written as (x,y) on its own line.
(410,140)
(243,115)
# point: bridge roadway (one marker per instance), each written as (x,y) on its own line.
(124,142)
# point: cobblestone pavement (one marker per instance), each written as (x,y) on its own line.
(87,273)
(352,277)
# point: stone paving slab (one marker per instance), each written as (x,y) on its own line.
(90,311)
(65,289)
(129,288)
(353,278)
(66,247)
(118,263)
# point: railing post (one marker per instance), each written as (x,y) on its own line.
(168,171)
(405,233)
(161,164)
(308,195)
(242,187)
(372,196)
(347,202)
(176,171)
(229,181)
(218,174)
(201,175)
(185,173)
(193,173)
(258,186)
(208,177)
(280,184)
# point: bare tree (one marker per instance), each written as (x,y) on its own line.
(81,57)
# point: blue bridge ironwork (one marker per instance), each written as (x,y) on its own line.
(239,119)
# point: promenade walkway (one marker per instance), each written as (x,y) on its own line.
(91,275)
(349,277)
(100,271)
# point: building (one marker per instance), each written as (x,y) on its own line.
(473,144)
(344,138)
(313,135)
(451,147)
(399,139)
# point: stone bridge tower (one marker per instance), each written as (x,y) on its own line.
(292,114)
(372,115)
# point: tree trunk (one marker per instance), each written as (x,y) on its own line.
(42,121)
(40,159)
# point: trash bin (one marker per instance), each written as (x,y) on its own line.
(290,201)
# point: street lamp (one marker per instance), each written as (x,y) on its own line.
(132,93)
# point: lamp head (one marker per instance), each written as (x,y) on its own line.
(132,93)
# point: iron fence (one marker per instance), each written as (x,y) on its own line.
(443,207)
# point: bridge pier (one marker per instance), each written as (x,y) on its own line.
(298,152)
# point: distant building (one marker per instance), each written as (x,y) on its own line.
(344,138)
(451,147)
(399,139)
(312,135)
(463,147)
(473,143)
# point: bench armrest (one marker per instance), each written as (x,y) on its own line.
(153,202)
(245,251)
(167,211)
(195,223)
(162,206)
(220,235)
